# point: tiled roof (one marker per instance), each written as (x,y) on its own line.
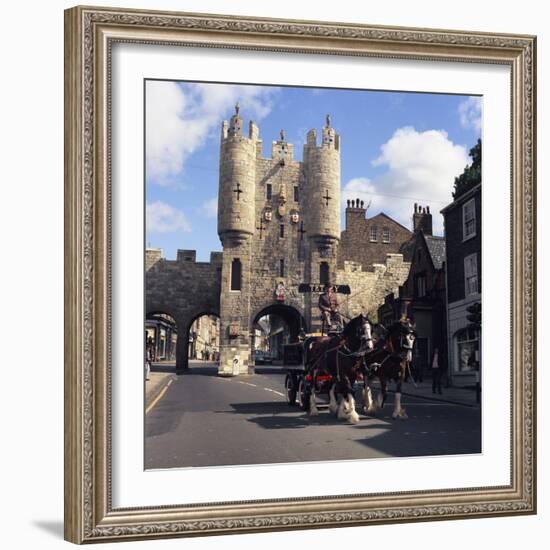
(436,246)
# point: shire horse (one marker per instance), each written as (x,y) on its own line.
(389,360)
(340,359)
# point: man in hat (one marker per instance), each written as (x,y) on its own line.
(328,304)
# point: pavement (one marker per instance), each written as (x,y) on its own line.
(452,394)
(162,375)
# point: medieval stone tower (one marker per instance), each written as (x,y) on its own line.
(279,224)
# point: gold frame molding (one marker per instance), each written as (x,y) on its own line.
(89,35)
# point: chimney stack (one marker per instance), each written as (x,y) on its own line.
(422,219)
(355,212)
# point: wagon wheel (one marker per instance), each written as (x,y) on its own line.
(290,389)
(304,395)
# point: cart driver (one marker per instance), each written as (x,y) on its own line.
(328,304)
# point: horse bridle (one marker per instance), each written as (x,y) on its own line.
(364,338)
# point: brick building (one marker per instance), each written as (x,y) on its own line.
(368,241)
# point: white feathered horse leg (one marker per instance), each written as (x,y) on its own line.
(370,404)
(346,410)
(398,411)
(353,417)
(342,411)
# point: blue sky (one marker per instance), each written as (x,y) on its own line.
(397,149)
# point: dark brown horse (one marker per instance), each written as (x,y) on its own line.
(388,361)
(339,361)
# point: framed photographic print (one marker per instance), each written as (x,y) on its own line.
(280,238)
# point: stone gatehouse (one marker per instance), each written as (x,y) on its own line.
(279,226)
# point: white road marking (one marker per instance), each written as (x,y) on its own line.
(159,396)
(411,404)
(276,392)
(248,384)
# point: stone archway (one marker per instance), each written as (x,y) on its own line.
(286,323)
(184,289)
(194,340)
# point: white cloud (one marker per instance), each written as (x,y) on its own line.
(163,218)
(421,167)
(210,207)
(181,118)
(469,111)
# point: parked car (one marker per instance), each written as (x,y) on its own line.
(262,357)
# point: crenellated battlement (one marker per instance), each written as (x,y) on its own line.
(330,139)
(154,257)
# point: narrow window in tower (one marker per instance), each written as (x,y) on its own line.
(236,274)
(323,273)
(268,191)
(282,231)
(281,267)
(295,193)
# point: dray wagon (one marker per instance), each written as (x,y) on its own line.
(299,380)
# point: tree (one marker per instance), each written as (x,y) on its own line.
(471,175)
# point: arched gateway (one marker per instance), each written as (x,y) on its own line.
(273,327)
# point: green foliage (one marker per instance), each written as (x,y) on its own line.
(471,175)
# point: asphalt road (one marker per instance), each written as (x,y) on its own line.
(205,420)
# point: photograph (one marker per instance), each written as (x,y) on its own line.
(312,264)
(279,236)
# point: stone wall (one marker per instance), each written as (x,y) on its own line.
(368,288)
(184,289)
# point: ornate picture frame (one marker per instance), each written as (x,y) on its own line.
(90,34)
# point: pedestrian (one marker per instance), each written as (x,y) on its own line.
(148,351)
(437,371)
